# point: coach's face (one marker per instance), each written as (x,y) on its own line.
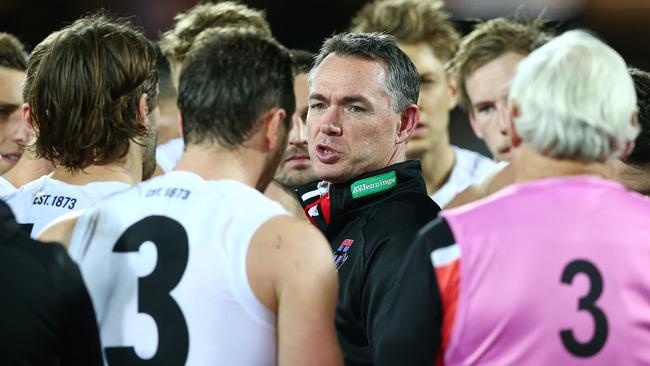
(351,123)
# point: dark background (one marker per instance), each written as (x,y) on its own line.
(624,24)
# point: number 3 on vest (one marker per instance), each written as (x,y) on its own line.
(588,304)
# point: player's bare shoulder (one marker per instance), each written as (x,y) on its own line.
(285,248)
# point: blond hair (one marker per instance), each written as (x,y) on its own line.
(176,43)
(410,21)
(488,41)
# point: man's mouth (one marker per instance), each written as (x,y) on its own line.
(326,154)
(504,153)
(297,160)
(12,157)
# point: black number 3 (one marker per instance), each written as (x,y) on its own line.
(170,239)
(586,303)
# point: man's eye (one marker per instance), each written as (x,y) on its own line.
(356,109)
(6,112)
(427,81)
(317,106)
(486,109)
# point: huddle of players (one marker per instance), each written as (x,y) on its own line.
(272,297)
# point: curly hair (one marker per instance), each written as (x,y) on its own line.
(84,86)
(410,21)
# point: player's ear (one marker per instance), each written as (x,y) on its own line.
(409,119)
(143,110)
(452,89)
(181,123)
(275,128)
(27,118)
(629,145)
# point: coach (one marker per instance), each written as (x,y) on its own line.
(371,202)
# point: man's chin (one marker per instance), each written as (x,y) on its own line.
(296,178)
(6,165)
(504,155)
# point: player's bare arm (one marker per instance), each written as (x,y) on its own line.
(291,271)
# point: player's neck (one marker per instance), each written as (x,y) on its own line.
(216,163)
(530,165)
(128,170)
(95,173)
(437,164)
(278,193)
(633,177)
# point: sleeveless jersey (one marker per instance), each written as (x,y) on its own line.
(6,188)
(169,154)
(165,265)
(551,272)
(38,203)
(470,167)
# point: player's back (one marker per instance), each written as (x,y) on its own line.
(165,264)
(38,203)
(552,272)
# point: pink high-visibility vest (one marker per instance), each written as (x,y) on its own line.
(553,272)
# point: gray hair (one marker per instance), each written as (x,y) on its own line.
(402,78)
(576,99)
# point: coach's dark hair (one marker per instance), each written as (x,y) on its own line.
(230,78)
(84,89)
(12,53)
(640,155)
(302,61)
(402,78)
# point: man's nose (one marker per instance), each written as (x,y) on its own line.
(504,124)
(20,131)
(330,123)
(298,135)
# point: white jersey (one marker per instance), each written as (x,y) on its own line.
(43,200)
(165,265)
(169,154)
(469,168)
(6,188)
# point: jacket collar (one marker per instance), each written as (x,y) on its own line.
(374,187)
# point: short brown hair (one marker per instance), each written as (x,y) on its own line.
(231,77)
(176,43)
(488,41)
(410,21)
(84,90)
(12,53)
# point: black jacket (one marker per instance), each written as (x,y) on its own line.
(46,316)
(370,223)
